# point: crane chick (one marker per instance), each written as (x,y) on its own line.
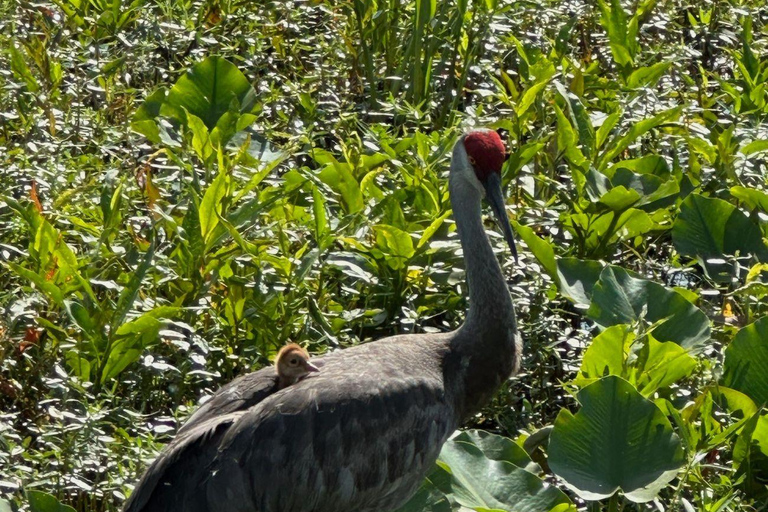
(292,364)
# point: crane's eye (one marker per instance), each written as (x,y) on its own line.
(471,160)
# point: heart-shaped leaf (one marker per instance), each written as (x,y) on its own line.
(622,298)
(486,473)
(746,361)
(617,440)
(709,229)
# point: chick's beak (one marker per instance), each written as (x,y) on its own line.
(310,367)
(495,197)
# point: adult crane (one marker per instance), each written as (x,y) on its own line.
(361,433)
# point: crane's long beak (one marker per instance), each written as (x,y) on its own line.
(495,197)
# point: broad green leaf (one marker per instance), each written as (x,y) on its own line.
(131,338)
(529,96)
(432,229)
(605,129)
(396,243)
(614,21)
(644,362)
(751,198)
(480,482)
(750,454)
(647,76)
(44,285)
(567,141)
(655,165)
(620,198)
(617,440)
(606,355)
(736,401)
(622,298)
(21,70)
(77,362)
(200,137)
(619,144)
(340,179)
(131,291)
(746,360)
(579,119)
(577,278)
(756,146)
(43,502)
(211,205)
(144,120)
(207,90)
(427,499)
(710,229)
(540,248)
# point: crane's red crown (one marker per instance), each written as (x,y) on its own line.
(486,152)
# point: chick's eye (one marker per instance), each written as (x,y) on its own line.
(471,160)
(293,361)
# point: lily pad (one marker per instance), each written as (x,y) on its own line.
(617,440)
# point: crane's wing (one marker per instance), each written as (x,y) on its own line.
(240,394)
(170,482)
(359,435)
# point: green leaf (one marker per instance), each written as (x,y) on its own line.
(338,176)
(756,146)
(432,229)
(620,198)
(131,291)
(751,198)
(654,165)
(478,481)
(21,70)
(396,243)
(211,205)
(647,76)
(746,360)
(48,288)
(579,117)
(540,248)
(622,298)
(529,96)
(750,454)
(201,142)
(43,502)
(645,363)
(577,278)
(207,91)
(79,364)
(710,229)
(637,130)
(427,499)
(133,337)
(736,401)
(617,440)
(143,121)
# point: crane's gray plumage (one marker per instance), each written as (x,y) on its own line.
(360,434)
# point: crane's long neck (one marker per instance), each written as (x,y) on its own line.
(489,298)
(485,350)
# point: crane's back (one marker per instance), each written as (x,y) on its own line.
(359,435)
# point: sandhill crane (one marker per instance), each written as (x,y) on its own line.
(362,433)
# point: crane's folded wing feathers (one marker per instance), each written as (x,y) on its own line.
(364,442)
